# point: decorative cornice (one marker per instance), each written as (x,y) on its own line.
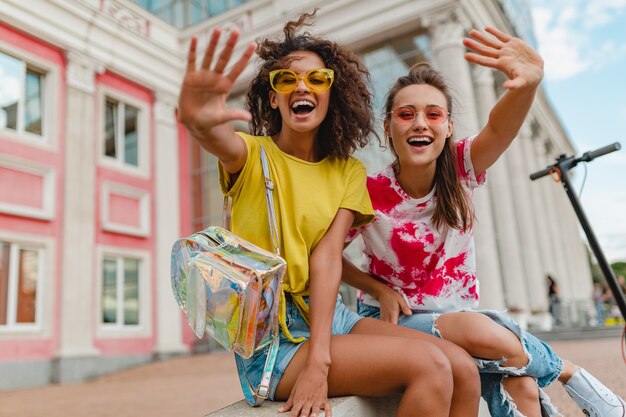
(125,17)
(446,28)
(81,72)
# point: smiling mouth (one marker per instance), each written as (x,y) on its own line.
(420,142)
(302,107)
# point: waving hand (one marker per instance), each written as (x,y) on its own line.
(202,100)
(509,55)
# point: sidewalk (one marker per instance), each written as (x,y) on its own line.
(196,385)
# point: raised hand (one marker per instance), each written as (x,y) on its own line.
(202,99)
(509,55)
(309,394)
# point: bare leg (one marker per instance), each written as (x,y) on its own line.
(569,369)
(372,365)
(525,394)
(484,338)
(466,393)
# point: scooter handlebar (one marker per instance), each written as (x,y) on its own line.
(540,174)
(588,156)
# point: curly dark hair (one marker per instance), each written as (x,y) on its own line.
(453,207)
(349,120)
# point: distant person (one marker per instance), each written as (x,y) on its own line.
(621,283)
(553,298)
(599,297)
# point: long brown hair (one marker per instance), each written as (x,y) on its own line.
(453,206)
(349,120)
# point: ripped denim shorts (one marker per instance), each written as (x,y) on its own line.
(252,369)
(543,364)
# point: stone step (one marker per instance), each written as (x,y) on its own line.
(580,333)
(342,407)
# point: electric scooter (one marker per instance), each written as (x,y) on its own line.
(560,171)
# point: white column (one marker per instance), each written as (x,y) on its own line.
(511,282)
(77,289)
(169,333)
(448,55)
(520,184)
(549,191)
(541,220)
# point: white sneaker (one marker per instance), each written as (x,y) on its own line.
(593,397)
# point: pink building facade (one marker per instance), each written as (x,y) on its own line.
(91,191)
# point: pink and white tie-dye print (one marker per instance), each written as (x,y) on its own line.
(435,270)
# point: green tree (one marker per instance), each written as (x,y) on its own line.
(619,268)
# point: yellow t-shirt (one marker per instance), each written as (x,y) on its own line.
(307,196)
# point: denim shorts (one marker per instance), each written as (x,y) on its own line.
(252,368)
(543,364)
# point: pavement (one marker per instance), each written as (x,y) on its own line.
(193,386)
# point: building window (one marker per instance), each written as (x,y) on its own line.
(21,96)
(121,126)
(392,59)
(185,13)
(120,291)
(20,277)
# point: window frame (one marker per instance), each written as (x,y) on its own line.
(15,246)
(117,163)
(50,80)
(119,329)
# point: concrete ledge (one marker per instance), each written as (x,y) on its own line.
(342,406)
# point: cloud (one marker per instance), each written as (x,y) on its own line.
(567,32)
(601,12)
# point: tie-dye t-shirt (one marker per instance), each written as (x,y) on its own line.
(434,270)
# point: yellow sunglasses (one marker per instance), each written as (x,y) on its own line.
(284,81)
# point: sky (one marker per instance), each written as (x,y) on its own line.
(583,44)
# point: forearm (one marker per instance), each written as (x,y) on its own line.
(325,276)
(509,113)
(324,287)
(356,278)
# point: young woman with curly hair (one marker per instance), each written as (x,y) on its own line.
(309,107)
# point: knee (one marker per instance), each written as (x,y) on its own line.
(503,344)
(429,363)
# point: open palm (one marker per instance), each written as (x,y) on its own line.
(508,54)
(202,99)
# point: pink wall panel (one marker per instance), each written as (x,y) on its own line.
(21,188)
(124,210)
(135,346)
(11,350)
